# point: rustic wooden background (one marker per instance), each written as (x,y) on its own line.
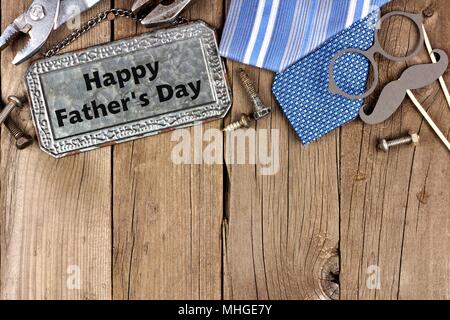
(138,226)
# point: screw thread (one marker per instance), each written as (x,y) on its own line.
(23,140)
(244,122)
(259,109)
(399,142)
(249,86)
(13,128)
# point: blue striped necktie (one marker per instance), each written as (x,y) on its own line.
(304,35)
(273,34)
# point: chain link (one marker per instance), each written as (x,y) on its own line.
(88,26)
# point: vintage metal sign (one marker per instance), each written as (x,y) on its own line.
(128,89)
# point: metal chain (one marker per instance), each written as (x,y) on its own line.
(88,26)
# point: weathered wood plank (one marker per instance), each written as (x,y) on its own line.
(281,234)
(425,260)
(394,207)
(167,217)
(55,214)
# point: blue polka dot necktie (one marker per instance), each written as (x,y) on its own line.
(302,90)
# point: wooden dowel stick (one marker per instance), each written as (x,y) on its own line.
(428,119)
(434,60)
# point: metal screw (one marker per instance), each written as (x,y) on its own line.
(412,138)
(37,12)
(259,109)
(428,12)
(23,140)
(244,122)
(14,102)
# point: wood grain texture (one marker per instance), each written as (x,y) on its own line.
(394,207)
(55,214)
(167,217)
(281,230)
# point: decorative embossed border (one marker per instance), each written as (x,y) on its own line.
(139,129)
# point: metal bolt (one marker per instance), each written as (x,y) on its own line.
(14,102)
(244,122)
(37,12)
(259,109)
(428,12)
(23,140)
(412,138)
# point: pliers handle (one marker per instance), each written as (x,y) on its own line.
(38,22)
(44,16)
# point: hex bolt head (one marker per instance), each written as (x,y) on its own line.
(415,138)
(24,142)
(386,145)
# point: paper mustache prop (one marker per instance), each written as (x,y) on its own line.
(415,77)
(394,93)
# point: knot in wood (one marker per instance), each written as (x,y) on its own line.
(329,280)
(428,12)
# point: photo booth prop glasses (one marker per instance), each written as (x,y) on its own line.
(378,116)
(370,55)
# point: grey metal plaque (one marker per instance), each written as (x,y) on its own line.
(128,89)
